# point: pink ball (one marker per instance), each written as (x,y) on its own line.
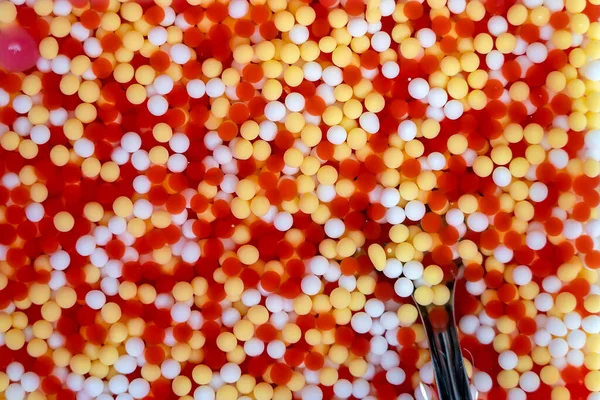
(18,49)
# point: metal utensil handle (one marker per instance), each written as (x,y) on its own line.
(450,373)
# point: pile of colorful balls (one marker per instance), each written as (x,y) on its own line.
(248,199)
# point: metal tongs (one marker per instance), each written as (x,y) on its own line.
(450,373)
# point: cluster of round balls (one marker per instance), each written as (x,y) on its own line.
(248,199)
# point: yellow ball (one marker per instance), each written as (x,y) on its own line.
(407,314)
(592,381)
(284,21)
(423,295)
(63,221)
(457,144)
(410,48)
(8,12)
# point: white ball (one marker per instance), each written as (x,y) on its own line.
(576,339)
(357,27)
(572,229)
(502,177)
(283,221)
(516,394)
(204,393)
(592,70)
(85,245)
(180,312)
(457,6)
(407,130)
(572,320)
(522,275)
(334,228)
(543,302)
(393,268)
(437,97)
(494,60)
(575,358)
(230,372)
(238,8)
(125,364)
(141,184)
(542,338)
(15,371)
(482,381)
(508,360)
(336,134)
(418,88)
(369,122)
(312,392)
(551,284)
(95,299)
(558,348)
(477,222)
(390,197)
(195,88)
(22,104)
(251,297)
(454,217)
(157,36)
(415,210)
(312,71)
(342,389)
(374,308)
(118,384)
(591,324)
(436,161)
(468,324)
(299,34)
(30,382)
(537,52)
(179,143)
(275,111)
(332,75)
(14,391)
(40,134)
(163,84)
(131,142)
(135,346)
(390,69)
(310,285)
(497,25)
(139,388)
(295,102)
(381,41)
(395,215)
(84,147)
(413,269)
(453,109)
(395,376)
(318,265)
(180,53)
(529,381)
(34,212)
(157,105)
(93,386)
(361,322)
(485,334)
(215,88)
(538,192)
(535,240)
(60,260)
(404,287)
(426,37)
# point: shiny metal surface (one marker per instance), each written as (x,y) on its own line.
(450,373)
